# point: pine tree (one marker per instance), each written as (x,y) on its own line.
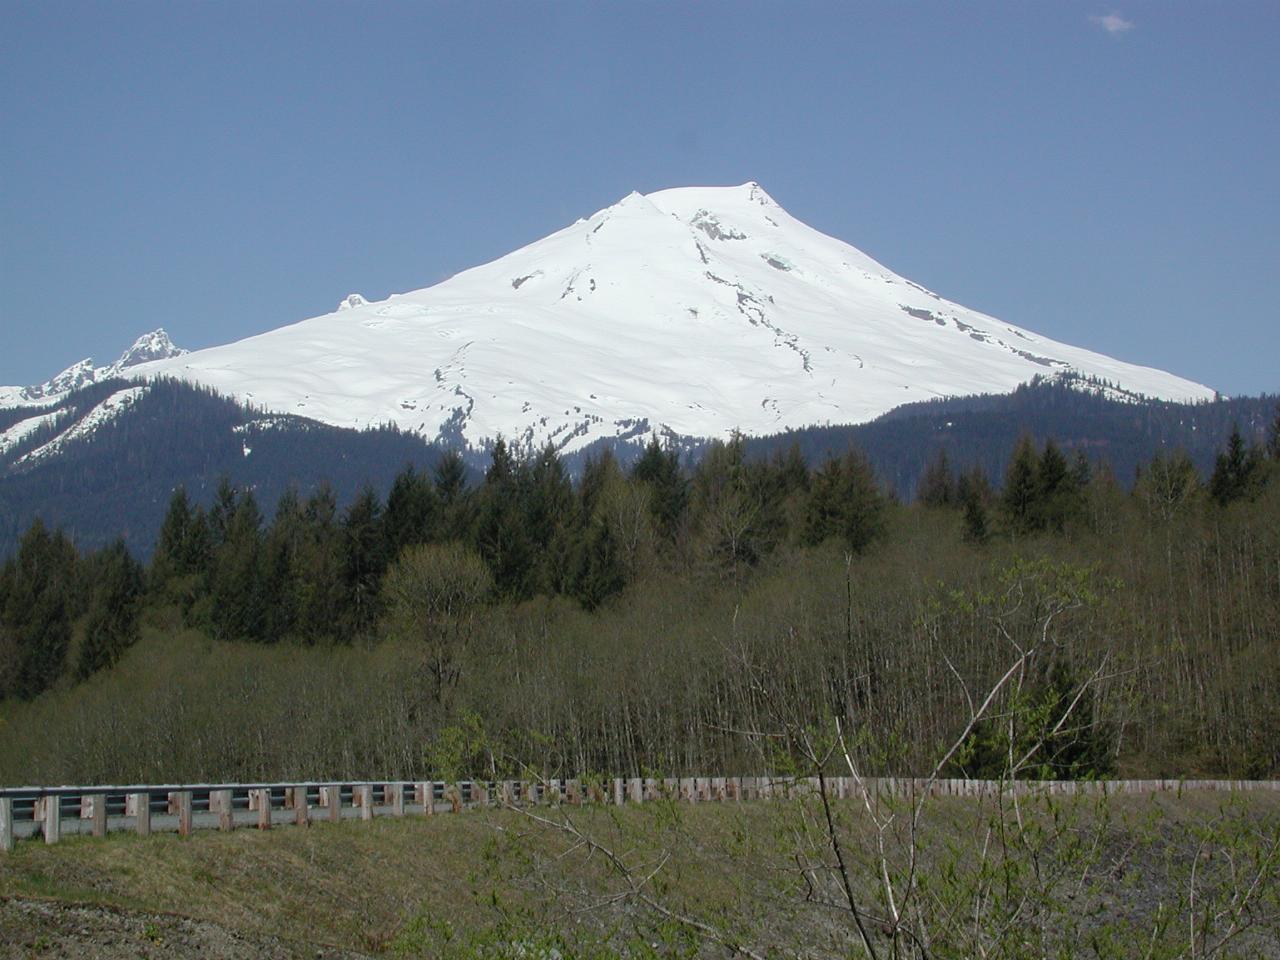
(413,512)
(277,563)
(236,602)
(736,514)
(364,559)
(501,536)
(1055,491)
(937,486)
(1235,471)
(112,624)
(845,501)
(659,468)
(600,573)
(450,478)
(39,604)
(550,524)
(597,473)
(169,559)
(221,512)
(1021,488)
(319,592)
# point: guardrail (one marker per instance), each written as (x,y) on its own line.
(52,812)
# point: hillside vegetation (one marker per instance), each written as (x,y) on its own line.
(658,620)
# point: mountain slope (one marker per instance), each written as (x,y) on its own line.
(123,449)
(155,345)
(692,311)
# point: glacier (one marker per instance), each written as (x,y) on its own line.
(692,312)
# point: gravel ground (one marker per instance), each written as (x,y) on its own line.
(46,928)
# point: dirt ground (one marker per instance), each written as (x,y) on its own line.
(46,928)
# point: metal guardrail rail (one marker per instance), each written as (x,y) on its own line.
(53,812)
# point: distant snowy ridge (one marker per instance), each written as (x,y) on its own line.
(693,312)
(155,345)
(104,412)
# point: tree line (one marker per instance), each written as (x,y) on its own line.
(659,606)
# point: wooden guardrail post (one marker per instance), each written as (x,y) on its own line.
(6,824)
(301,811)
(52,818)
(331,797)
(99,814)
(366,800)
(262,796)
(221,804)
(141,803)
(182,803)
(397,799)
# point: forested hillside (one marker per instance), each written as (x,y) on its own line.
(117,480)
(662,617)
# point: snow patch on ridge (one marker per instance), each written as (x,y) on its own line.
(104,412)
(24,428)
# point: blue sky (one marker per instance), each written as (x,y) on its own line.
(1105,175)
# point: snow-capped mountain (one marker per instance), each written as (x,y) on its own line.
(693,311)
(155,345)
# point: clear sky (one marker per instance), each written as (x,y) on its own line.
(1105,175)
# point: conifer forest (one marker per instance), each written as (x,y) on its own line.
(664,619)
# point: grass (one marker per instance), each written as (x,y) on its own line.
(440,886)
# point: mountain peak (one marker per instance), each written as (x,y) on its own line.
(149,347)
(155,345)
(691,311)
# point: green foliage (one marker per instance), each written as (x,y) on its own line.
(1047,730)
(937,487)
(432,594)
(1237,472)
(114,606)
(845,503)
(659,469)
(1021,488)
(38,600)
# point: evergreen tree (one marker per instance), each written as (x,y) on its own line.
(319,593)
(450,477)
(1235,471)
(659,468)
(845,501)
(550,524)
(973,490)
(364,559)
(600,573)
(169,559)
(597,473)
(1273,436)
(236,601)
(112,624)
(735,506)
(937,487)
(791,470)
(39,603)
(221,512)
(501,537)
(183,552)
(1056,494)
(413,512)
(277,569)
(1021,488)
(1081,472)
